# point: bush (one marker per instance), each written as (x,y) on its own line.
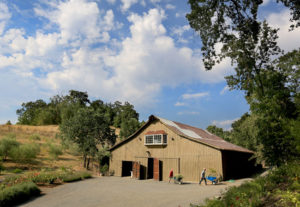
(35,137)
(25,153)
(54,151)
(1,167)
(7,144)
(76,176)
(104,169)
(13,195)
(17,171)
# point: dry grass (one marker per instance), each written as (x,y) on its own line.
(47,135)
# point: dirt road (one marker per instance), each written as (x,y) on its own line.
(126,192)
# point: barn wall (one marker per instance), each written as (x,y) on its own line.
(182,155)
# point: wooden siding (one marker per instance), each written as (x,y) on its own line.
(184,156)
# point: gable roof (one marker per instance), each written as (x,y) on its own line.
(191,133)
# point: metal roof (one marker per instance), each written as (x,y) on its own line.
(192,133)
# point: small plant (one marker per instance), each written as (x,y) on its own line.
(8,122)
(25,153)
(54,151)
(7,144)
(10,196)
(35,137)
(17,171)
(1,167)
(104,169)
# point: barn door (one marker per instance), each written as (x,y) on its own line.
(156,169)
(136,170)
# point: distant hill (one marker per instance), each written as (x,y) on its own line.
(48,131)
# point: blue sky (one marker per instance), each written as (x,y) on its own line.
(143,52)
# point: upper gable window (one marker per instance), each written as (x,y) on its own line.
(155,139)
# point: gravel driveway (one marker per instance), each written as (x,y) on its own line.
(126,192)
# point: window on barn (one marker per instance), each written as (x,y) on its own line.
(156,139)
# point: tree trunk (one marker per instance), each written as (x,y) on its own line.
(88,163)
(84,161)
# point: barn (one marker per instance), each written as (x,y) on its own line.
(161,145)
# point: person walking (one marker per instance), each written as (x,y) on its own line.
(203,176)
(170,175)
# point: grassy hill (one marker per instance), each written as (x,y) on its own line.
(46,137)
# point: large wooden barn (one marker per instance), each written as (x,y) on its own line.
(161,145)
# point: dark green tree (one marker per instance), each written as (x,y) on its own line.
(29,112)
(219,132)
(88,129)
(252,45)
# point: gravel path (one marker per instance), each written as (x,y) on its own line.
(126,192)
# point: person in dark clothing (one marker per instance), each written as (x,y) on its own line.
(203,176)
(171,175)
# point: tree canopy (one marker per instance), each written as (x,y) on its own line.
(269,78)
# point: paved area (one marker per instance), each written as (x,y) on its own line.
(126,192)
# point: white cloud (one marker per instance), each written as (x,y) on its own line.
(266,2)
(179,104)
(287,40)
(5,15)
(195,95)
(127,4)
(170,6)
(224,90)
(225,124)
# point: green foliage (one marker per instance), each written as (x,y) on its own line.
(16,194)
(282,183)
(104,169)
(25,153)
(219,132)
(46,177)
(7,145)
(76,177)
(1,167)
(35,137)
(271,87)
(88,128)
(8,123)
(54,151)
(17,171)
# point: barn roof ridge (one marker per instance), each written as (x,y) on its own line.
(192,133)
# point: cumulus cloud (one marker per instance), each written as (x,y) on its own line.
(5,15)
(127,4)
(195,95)
(287,40)
(225,124)
(135,69)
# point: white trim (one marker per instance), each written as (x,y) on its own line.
(161,140)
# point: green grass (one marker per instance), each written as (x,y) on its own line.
(16,194)
(280,186)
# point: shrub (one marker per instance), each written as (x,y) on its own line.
(76,176)
(13,195)
(35,137)
(17,171)
(1,167)
(54,151)
(104,169)
(7,144)
(25,153)
(8,122)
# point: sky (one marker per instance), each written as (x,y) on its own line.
(140,51)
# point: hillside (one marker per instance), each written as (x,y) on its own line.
(45,137)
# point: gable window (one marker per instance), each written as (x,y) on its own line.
(156,139)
